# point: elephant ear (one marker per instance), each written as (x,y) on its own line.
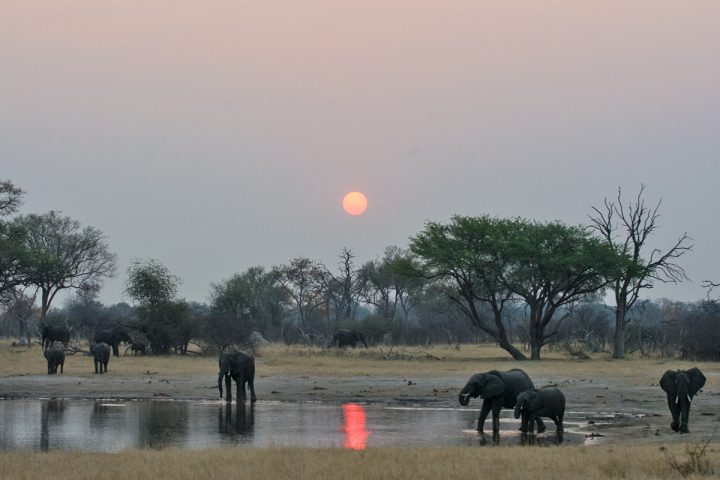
(493,387)
(667,382)
(697,380)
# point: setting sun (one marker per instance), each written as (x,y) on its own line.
(354,203)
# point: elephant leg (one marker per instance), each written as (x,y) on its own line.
(675,412)
(62,367)
(496,407)
(251,386)
(484,410)
(540,425)
(558,419)
(240,383)
(684,417)
(228,388)
(96,366)
(530,419)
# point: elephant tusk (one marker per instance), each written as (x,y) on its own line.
(689,399)
(677,399)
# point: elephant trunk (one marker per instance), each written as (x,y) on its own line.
(220,379)
(518,410)
(464,399)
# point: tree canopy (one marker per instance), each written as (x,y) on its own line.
(488,262)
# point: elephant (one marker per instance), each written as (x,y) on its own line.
(238,366)
(540,402)
(347,337)
(54,334)
(137,347)
(113,337)
(55,357)
(101,356)
(498,390)
(681,386)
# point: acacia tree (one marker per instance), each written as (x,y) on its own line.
(61,255)
(550,265)
(468,254)
(490,261)
(628,229)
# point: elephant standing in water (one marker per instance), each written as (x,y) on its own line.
(681,386)
(55,356)
(499,390)
(343,338)
(101,356)
(238,366)
(540,402)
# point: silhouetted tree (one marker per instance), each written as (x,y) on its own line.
(628,229)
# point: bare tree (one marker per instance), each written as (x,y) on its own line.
(302,280)
(628,228)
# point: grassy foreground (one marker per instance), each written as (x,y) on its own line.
(588,463)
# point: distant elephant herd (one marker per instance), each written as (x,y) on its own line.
(104,342)
(511,389)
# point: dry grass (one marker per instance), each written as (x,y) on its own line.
(588,463)
(279,359)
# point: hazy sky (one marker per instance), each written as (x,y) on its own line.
(218,135)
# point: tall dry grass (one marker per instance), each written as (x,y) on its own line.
(536,463)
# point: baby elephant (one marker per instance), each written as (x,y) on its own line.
(55,356)
(540,402)
(101,356)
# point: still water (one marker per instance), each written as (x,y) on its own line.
(114,426)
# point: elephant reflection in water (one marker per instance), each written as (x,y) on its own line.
(241,424)
(51,411)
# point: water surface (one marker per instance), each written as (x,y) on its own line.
(111,426)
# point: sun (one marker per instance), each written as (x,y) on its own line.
(354,203)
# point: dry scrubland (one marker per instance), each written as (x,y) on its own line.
(636,460)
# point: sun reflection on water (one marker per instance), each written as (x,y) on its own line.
(355,432)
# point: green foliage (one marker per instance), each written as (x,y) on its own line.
(60,255)
(165,321)
(250,301)
(149,283)
(491,261)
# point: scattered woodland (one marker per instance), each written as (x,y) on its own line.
(527,286)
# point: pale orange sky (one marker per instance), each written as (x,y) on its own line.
(218,135)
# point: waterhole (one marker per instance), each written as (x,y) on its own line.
(110,426)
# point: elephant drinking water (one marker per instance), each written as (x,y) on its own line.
(499,390)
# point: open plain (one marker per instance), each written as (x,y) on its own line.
(617,406)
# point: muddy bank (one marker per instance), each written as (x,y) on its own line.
(606,409)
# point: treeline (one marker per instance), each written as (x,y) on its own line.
(515,282)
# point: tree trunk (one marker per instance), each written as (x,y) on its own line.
(619,337)
(536,332)
(503,340)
